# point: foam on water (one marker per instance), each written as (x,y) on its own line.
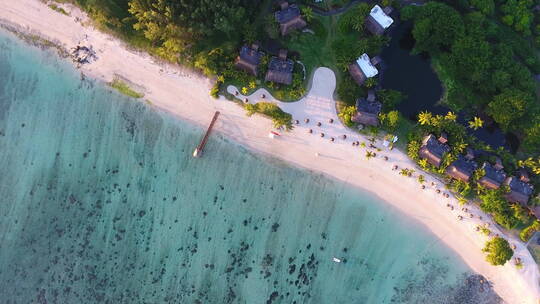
(102,202)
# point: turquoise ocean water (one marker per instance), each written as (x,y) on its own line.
(101,202)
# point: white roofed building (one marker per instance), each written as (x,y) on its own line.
(363,68)
(379,20)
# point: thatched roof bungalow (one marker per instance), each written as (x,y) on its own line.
(367,111)
(461,169)
(378,20)
(520,191)
(493,178)
(249,59)
(289,18)
(433,150)
(280,69)
(363,68)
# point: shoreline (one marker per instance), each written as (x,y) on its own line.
(186,95)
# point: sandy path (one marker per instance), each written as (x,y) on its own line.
(185,94)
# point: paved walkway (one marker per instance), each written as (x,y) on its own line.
(318,106)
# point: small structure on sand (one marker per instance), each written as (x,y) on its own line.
(378,20)
(433,150)
(520,191)
(367,111)
(289,18)
(363,68)
(493,177)
(280,69)
(461,169)
(249,59)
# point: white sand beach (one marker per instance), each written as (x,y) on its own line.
(186,95)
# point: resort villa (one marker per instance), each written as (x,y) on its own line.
(520,190)
(433,149)
(364,68)
(461,169)
(378,20)
(289,18)
(493,177)
(280,69)
(367,110)
(249,59)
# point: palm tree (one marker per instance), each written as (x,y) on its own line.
(460,146)
(423,163)
(308,13)
(406,172)
(369,154)
(244,91)
(424,118)
(451,116)
(436,120)
(476,123)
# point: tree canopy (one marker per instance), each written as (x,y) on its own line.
(437,26)
(484,66)
(498,251)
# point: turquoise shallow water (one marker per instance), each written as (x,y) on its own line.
(101,202)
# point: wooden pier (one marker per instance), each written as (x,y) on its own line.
(198,151)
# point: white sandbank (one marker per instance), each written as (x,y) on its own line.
(185,94)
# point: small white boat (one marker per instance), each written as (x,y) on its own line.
(336,260)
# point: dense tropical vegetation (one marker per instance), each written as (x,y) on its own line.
(486,67)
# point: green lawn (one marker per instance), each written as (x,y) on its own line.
(316,49)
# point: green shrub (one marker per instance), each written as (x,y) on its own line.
(527,232)
(124,88)
(346,114)
(390,99)
(214,92)
(58,9)
(279,118)
(348,91)
(412,149)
